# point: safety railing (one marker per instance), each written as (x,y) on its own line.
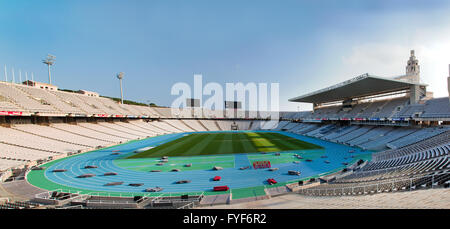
(392,185)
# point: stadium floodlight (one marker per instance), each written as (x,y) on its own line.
(120,77)
(13,76)
(49,61)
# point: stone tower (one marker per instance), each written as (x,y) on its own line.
(412,67)
(412,70)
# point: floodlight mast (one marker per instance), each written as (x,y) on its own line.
(120,77)
(6,75)
(49,61)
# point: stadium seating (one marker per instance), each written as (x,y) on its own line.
(380,109)
(149,127)
(75,100)
(194,124)
(136,128)
(407,158)
(224,125)
(416,136)
(391,108)
(166,126)
(18,153)
(55,134)
(15,97)
(211,125)
(123,131)
(425,199)
(422,164)
(340,131)
(380,142)
(107,128)
(59,105)
(354,134)
(178,124)
(6,105)
(24,139)
(164,112)
(9,163)
(281,125)
(63,137)
(436,108)
(90,133)
(369,136)
(28,103)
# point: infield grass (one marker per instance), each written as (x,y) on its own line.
(226,143)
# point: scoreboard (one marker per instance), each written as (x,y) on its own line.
(193,102)
(233,105)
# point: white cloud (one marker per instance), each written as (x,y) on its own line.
(382,48)
(389,59)
(376,58)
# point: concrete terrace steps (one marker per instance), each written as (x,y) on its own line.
(189,126)
(105,133)
(62,99)
(135,128)
(201,124)
(160,128)
(171,125)
(14,94)
(123,110)
(148,126)
(15,104)
(421,199)
(51,104)
(117,128)
(160,113)
(28,147)
(217,124)
(250,126)
(55,139)
(68,131)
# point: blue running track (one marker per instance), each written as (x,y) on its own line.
(201,179)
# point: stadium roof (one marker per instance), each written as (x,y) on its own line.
(360,86)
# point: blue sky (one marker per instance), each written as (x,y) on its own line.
(302,45)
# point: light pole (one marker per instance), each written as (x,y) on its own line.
(120,77)
(13,76)
(448,81)
(49,61)
(6,75)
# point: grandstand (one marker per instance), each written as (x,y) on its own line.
(408,157)
(395,121)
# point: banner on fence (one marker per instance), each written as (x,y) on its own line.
(261,164)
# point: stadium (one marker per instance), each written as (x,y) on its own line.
(368,138)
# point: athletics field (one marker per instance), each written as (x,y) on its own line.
(227,143)
(242,183)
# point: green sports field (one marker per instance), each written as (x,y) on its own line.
(226,143)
